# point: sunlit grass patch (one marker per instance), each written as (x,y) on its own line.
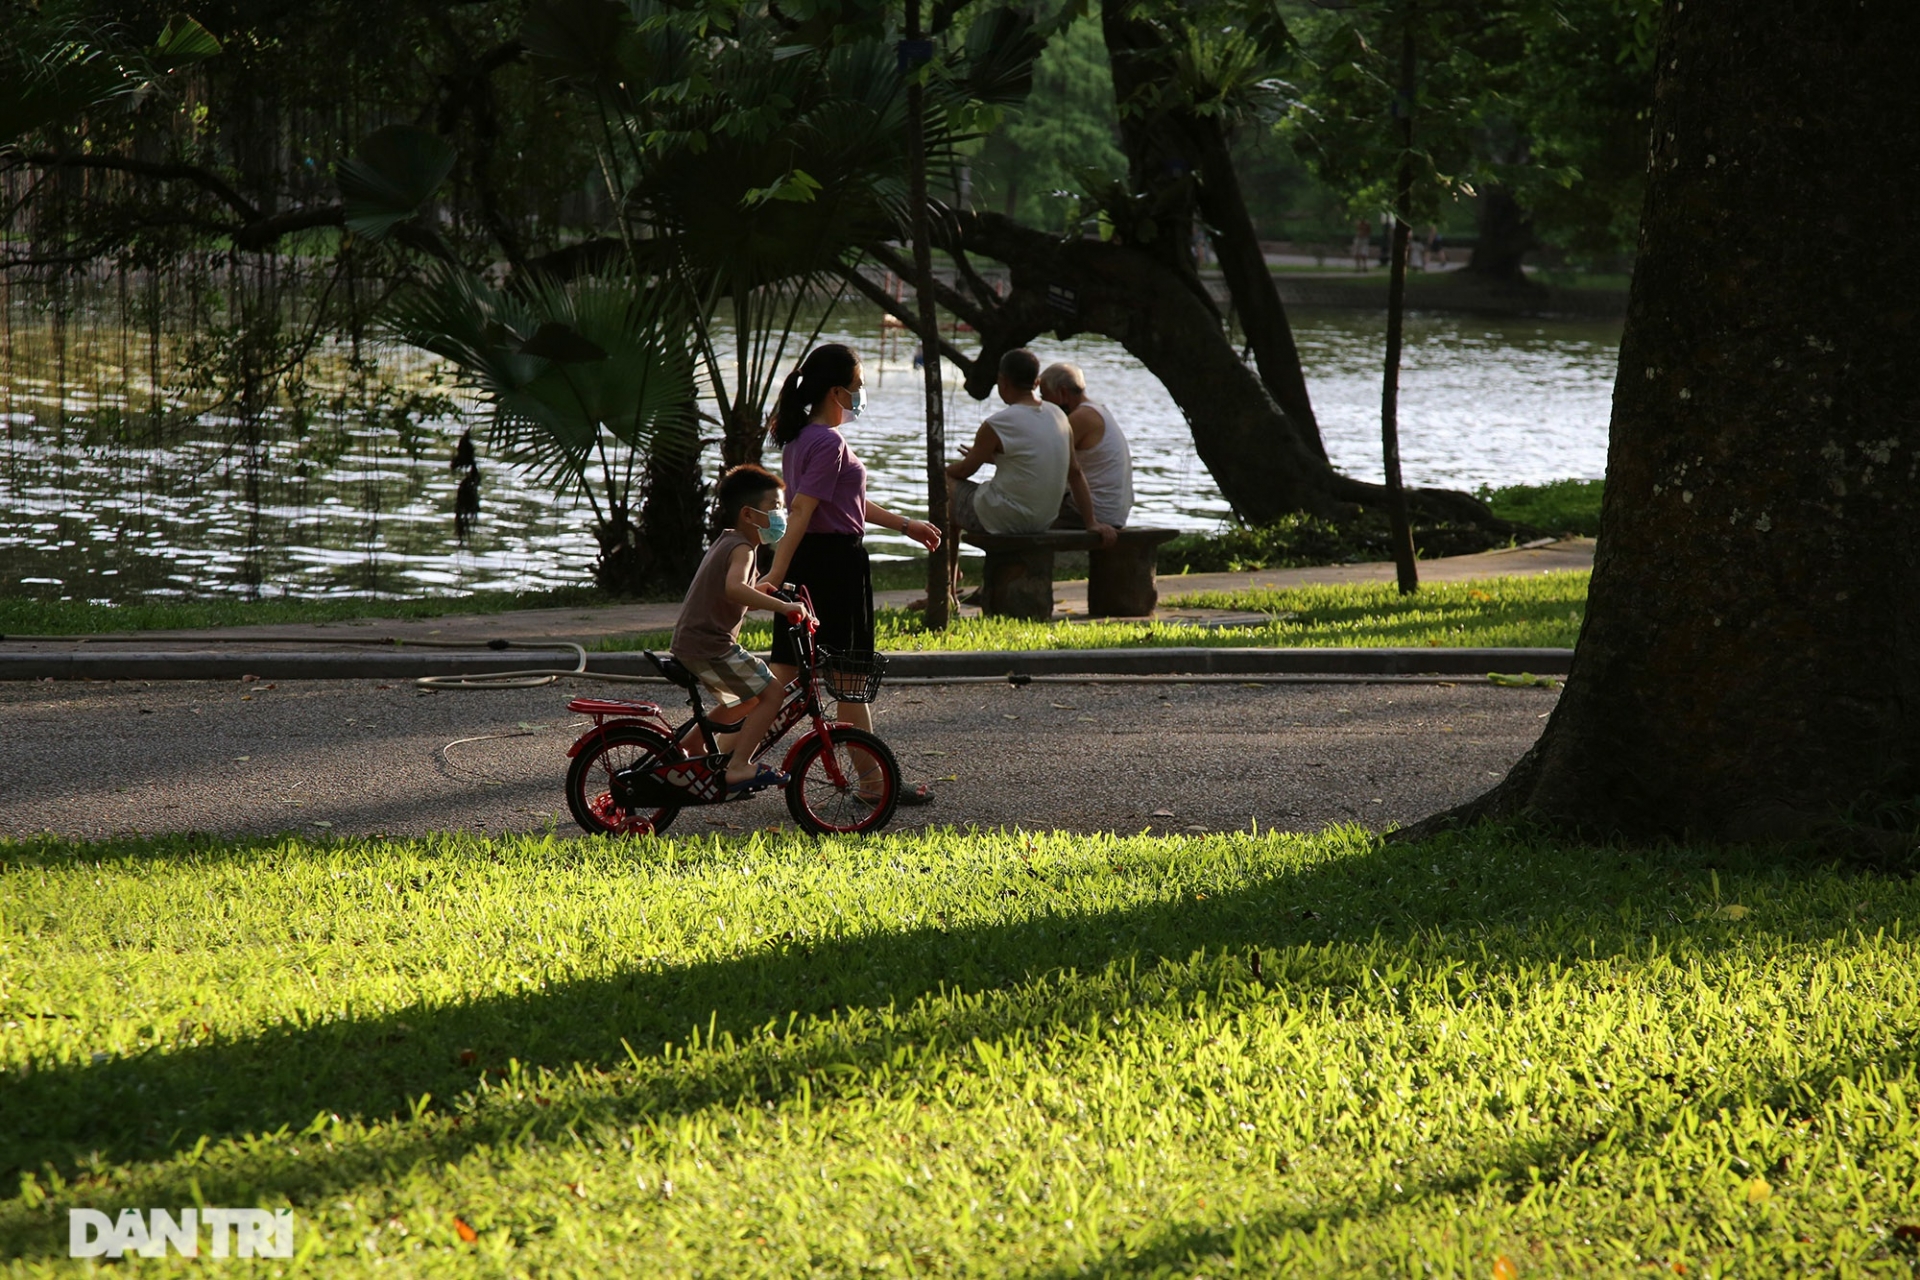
(1001,1053)
(1539,611)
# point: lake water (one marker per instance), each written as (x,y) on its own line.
(89,509)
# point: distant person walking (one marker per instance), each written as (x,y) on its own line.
(1099,447)
(1362,244)
(1436,247)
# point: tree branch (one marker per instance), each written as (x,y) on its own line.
(899,311)
(981,289)
(947,296)
(261,232)
(174,172)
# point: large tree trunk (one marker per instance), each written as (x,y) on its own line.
(1750,664)
(1186,161)
(1504,233)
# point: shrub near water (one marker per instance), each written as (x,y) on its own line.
(986,1054)
(1558,508)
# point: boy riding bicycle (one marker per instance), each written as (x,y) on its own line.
(706,640)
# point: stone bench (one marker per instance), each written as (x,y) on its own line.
(1019,572)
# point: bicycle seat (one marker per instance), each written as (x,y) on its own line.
(670,668)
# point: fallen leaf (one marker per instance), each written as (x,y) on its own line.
(579,1189)
(1732,911)
(1503,1268)
(1759,1191)
(467,1233)
(1064,706)
(1008,715)
(468,1057)
(952,777)
(322,823)
(933,752)
(1161,813)
(249,678)
(1525,680)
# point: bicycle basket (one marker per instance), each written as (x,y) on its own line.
(849,677)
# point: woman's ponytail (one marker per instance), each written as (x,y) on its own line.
(825,368)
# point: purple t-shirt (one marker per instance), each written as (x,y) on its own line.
(820,464)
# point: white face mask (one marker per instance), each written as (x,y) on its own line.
(858,405)
(776,526)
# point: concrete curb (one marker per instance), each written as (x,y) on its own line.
(407,664)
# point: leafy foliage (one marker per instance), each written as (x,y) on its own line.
(587,378)
(1062,139)
(1548,100)
(397,171)
(1560,506)
(60,62)
(1308,540)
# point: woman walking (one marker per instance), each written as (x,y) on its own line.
(828,512)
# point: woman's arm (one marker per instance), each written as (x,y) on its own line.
(924,532)
(799,516)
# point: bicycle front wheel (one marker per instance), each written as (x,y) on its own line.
(595,797)
(844,783)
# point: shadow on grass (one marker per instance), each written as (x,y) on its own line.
(1573,905)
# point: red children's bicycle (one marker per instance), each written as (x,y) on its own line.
(632,772)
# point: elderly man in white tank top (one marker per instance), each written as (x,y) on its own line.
(1099,447)
(1030,444)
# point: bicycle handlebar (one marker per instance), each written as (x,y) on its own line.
(801,596)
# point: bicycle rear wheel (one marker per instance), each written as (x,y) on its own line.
(597,799)
(864,797)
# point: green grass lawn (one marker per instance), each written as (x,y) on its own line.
(1561,507)
(1540,611)
(986,1054)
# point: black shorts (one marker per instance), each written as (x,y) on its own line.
(833,568)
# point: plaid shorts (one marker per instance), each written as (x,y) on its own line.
(733,677)
(960,508)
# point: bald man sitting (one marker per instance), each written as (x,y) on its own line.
(1099,447)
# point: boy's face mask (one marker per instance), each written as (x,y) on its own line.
(776,526)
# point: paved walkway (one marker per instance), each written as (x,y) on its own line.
(358,757)
(587,625)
